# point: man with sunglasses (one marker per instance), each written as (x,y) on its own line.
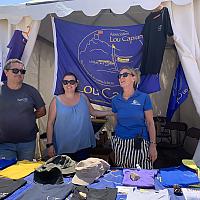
(20,106)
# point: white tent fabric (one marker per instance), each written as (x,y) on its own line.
(22,25)
(39,9)
(187,43)
(187,37)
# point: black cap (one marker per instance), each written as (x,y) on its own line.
(49,174)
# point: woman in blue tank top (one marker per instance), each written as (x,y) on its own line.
(69,128)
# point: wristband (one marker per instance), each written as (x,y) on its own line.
(151,142)
(49,145)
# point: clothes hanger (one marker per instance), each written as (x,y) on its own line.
(160,7)
(26,33)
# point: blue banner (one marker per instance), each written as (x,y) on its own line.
(179,92)
(96,54)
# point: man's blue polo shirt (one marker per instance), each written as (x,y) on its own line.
(130,115)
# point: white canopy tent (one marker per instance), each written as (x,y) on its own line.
(185,23)
(183,13)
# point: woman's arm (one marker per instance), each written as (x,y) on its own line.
(114,120)
(50,124)
(97,113)
(152,134)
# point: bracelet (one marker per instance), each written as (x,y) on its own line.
(49,145)
(151,142)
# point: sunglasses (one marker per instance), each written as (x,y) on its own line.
(71,82)
(125,74)
(16,71)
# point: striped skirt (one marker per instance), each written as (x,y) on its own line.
(127,157)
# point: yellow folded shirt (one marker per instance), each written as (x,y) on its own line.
(20,169)
(191,164)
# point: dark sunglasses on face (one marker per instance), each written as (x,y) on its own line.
(71,82)
(125,74)
(16,71)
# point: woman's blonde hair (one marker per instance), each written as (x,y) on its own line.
(134,71)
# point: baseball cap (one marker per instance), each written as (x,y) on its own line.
(64,162)
(49,174)
(89,170)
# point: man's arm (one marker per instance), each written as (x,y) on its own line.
(40,112)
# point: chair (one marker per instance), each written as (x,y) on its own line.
(98,124)
(161,133)
(174,156)
(194,133)
(172,137)
(103,148)
(174,132)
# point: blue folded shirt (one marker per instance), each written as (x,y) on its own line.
(6,163)
(181,175)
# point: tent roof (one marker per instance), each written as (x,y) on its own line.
(38,9)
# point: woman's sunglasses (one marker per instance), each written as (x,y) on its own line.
(71,82)
(125,74)
(16,71)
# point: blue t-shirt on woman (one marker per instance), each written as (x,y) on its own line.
(130,115)
(73,129)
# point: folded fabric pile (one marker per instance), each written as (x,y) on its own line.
(12,174)
(8,186)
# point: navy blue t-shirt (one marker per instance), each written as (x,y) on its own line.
(17,117)
(155,31)
(16,48)
(130,115)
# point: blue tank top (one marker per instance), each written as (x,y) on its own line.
(73,129)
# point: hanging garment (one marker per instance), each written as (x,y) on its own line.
(157,27)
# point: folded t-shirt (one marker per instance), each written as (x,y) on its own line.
(181,175)
(146,178)
(150,195)
(20,169)
(39,192)
(6,163)
(8,186)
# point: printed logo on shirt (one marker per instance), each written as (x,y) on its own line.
(23,100)
(3,194)
(135,102)
(160,28)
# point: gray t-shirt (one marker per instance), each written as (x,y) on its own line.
(17,117)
